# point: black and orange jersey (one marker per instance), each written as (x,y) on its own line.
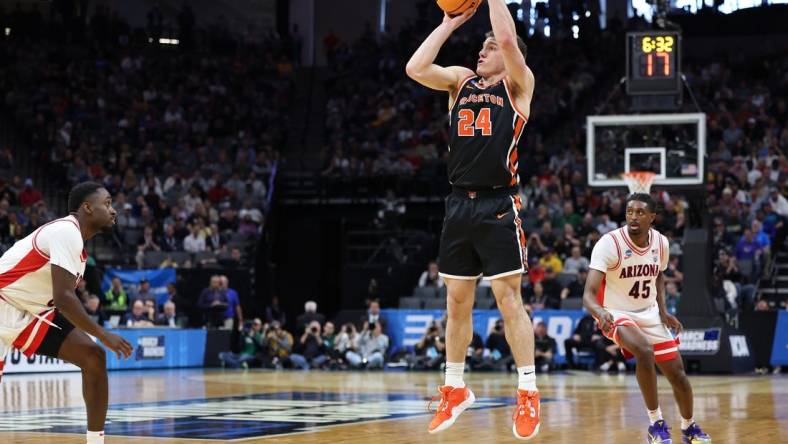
(485,128)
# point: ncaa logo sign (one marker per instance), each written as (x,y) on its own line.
(739,348)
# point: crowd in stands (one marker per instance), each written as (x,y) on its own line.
(135,305)
(185,138)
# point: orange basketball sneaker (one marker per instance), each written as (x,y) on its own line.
(526,415)
(454,401)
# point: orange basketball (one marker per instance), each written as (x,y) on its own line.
(457,7)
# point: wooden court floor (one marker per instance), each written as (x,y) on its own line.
(210,406)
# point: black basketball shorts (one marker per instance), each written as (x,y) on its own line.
(55,337)
(482,236)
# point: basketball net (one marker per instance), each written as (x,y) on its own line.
(639,181)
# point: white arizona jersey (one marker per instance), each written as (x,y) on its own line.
(630,272)
(25,269)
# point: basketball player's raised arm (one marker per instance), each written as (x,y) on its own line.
(422,68)
(506,38)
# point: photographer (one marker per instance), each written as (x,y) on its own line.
(372,346)
(500,353)
(251,351)
(347,340)
(478,356)
(310,351)
(279,342)
(430,351)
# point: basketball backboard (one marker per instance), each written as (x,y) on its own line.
(672,146)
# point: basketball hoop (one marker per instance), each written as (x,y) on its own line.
(639,181)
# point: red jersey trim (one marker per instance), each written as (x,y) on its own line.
(632,246)
(618,252)
(29,264)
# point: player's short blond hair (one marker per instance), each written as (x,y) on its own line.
(520,43)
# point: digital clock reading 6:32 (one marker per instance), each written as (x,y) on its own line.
(657,52)
(653,61)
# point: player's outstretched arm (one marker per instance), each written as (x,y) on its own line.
(514,60)
(66,301)
(593,282)
(421,66)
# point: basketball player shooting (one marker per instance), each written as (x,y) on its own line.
(625,292)
(38,306)
(482,236)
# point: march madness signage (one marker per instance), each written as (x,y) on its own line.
(16,362)
(700,342)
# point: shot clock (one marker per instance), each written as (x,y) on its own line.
(653,62)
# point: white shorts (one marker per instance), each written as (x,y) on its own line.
(21,330)
(648,321)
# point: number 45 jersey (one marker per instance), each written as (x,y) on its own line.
(485,128)
(630,271)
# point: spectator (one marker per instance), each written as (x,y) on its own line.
(274,313)
(583,339)
(478,356)
(169,242)
(672,273)
(169,317)
(234,312)
(194,242)
(576,287)
(329,337)
(610,353)
(115,298)
(138,317)
(310,351)
(144,292)
(748,249)
(182,303)
(373,314)
(29,194)
(94,311)
(606,225)
(544,348)
(672,297)
(430,350)
(213,302)
(347,340)
(234,261)
(575,262)
(568,216)
(552,290)
(372,346)
(430,276)
(500,353)
(251,351)
(551,261)
(280,343)
(126,219)
(310,314)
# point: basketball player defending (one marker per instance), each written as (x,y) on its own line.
(625,293)
(38,306)
(481,234)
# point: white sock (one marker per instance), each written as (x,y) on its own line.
(685,423)
(454,372)
(654,415)
(526,378)
(95,437)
